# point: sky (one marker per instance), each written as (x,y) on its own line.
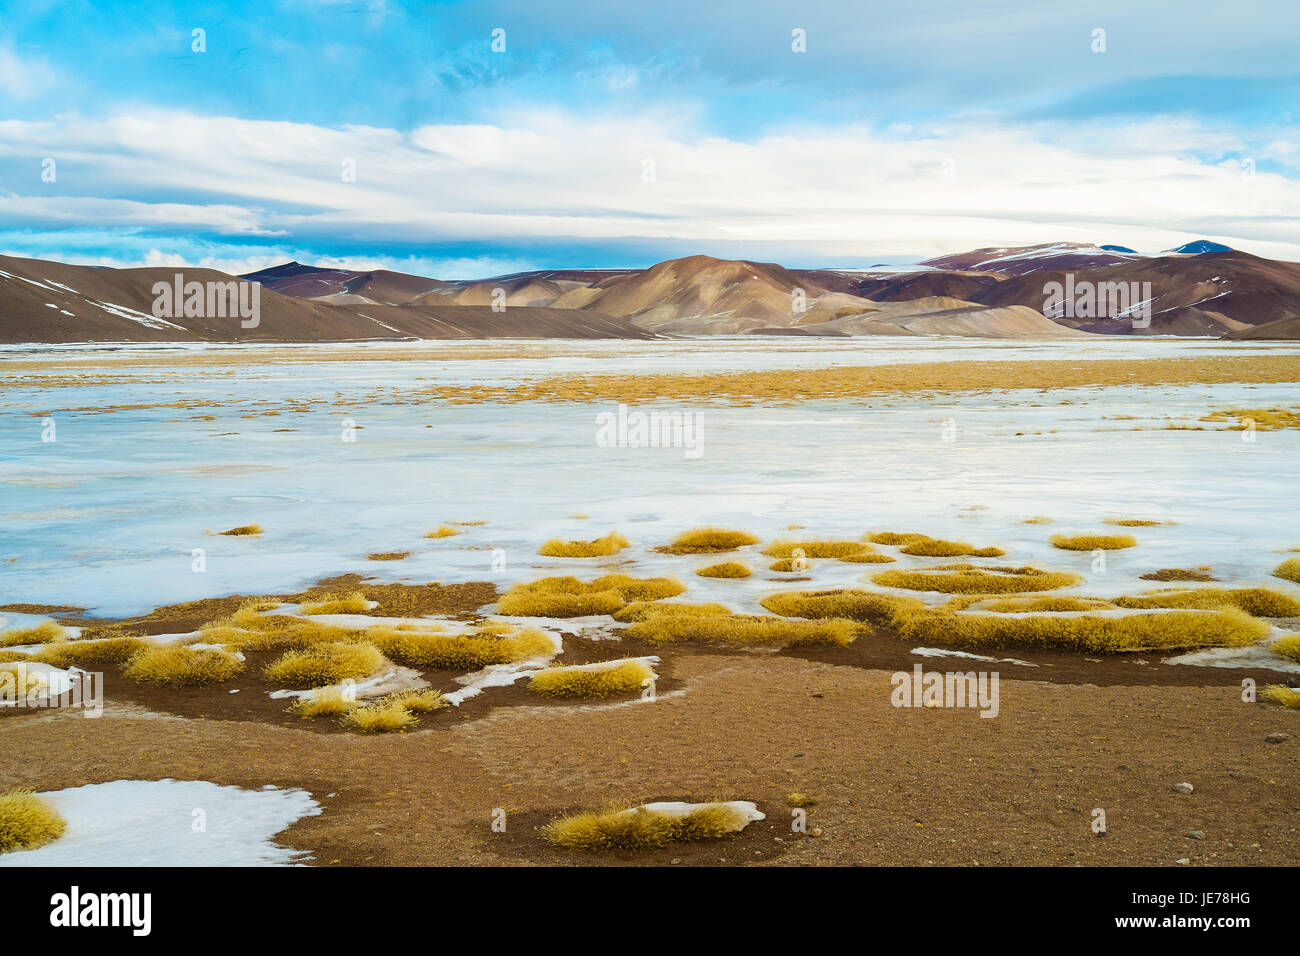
(465,140)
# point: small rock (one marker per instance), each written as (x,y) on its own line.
(1197,835)
(815,831)
(675,860)
(1183,862)
(1277,737)
(1183,788)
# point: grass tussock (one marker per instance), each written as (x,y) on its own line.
(1179,574)
(1281,695)
(939,548)
(280,633)
(814,549)
(27,821)
(643,610)
(20,682)
(1174,630)
(641,829)
(866,607)
(419,701)
(324,702)
(352,603)
(797,800)
(744,630)
(324,665)
(178,666)
(1038,519)
(868,557)
(1135,522)
(92,654)
(382,717)
(1258,419)
(569,597)
(709,541)
(388,555)
(895,538)
(969,579)
(47,632)
(467,652)
(244,530)
(1093,542)
(442,531)
(611,543)
(790,564)
(1288,570)
(1040,604)
(726,569)
(627,677)
(1288,647)
(1259,602)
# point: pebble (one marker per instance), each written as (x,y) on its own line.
(1197,834)
(1277,737)
(1183,788)
(815,831)
(675,860)
(1183,862)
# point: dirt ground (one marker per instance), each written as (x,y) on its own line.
(893,786)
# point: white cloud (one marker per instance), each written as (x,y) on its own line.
(851,191)
(20,78)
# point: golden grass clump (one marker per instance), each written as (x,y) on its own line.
(868,557)
(1259,419)
(814,549)
(643,610)
(419,701)
(47,632)
(895,538)
(27,821)
(178,666)
(1288,647)
(443,531)
(19,682)
(1040,604)
(352,603)
(281,632)
(744,630)
(796,800)
(1260,602)
(865,607)
(1280,694)
(1288,570)
(1174,630)
(642,829)
(324,702)
(1179,574)
(970,579)
(626,677)
(939,548)
(1093,542)
(708,541)
(1135,522)
(323,665)
(569,597)
(612,543)
(388,556)
(384,716)
(84,654)
(726,569)
(243,530)
(790,564)
(1038,519)
(462,651)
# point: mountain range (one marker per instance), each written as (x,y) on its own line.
(1201,288)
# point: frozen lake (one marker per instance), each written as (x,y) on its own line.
(108,515)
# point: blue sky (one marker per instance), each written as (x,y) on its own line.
(617,135)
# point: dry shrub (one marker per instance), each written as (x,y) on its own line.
(352,603)
(324,702)
(419,701)
(91,654)
(1288,570)
(626,677)
(1281,695)
(382,717)
(27,821)
(462,651)
(323,665)
(642,829)
(708,541)
(1288,647)
(47,632)
(612,543)
(178,666)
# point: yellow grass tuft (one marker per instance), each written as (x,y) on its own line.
(352,603)
(419,701)
(18,681)
(743,630)
(894,538)
(612,543)
(969,579)
(324,702)
(388,555)
(1040,604)
(1038,519)
(790,564)
(641,829)
(868,557)
(47,632)
(796,800)
(1258,419)
(1174,630)
(1288,570)
(865,607)
(462,651)
(1135,522)
(1288,647)
(90,654)
(382,717)
(1093,542)
(709,541)
(323,665)
(643,610)
(244,530)
(1179,574)
(178,666)
(625,678)
(726,569)
(569,597)
(1260,602)
(27,821)
(939,548)
(1280,694)
(814,549)
(443,531)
